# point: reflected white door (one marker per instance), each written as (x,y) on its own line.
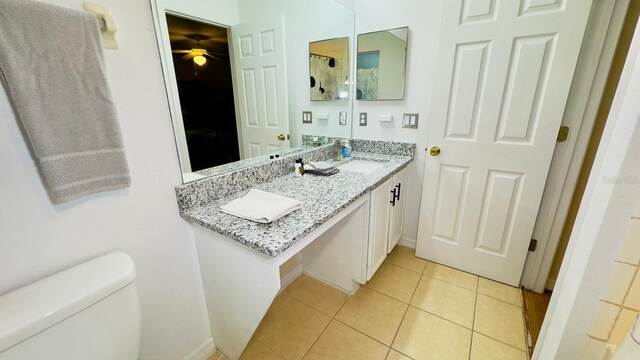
(261,89)
(503,77)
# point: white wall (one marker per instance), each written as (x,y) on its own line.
(224,12)
(610,199)
(37,238)
(423,19)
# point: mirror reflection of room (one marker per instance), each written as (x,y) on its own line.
(253,113)
(329,69)
(203,73)
(381,63)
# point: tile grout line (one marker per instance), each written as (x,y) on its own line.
(495,298)
(316,340)
(624,262)
(441,317)
(347,325)
(500,341)
(268,347)
(488,336)
(404,316)
(369,336)
(621,307)
(301,302)
(596,338)
(473,322)
(408,304)
(325,328)
(476,291)
(390,297)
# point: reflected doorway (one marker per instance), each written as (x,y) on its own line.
(205,86)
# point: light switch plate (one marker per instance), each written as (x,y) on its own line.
(363,119)
(343,118)
(322,116)
(307,117)
(410,121)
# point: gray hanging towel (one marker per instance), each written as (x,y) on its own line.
(52,65)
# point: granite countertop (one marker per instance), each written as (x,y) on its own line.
(322,197)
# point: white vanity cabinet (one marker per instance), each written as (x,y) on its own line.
(396,216)
(379,210)
(386,216)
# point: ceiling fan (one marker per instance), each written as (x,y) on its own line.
(196,53)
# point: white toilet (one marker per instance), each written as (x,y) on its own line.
(90,311)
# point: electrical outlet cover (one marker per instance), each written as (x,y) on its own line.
(363,119)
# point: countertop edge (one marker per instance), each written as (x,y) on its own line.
(186,214)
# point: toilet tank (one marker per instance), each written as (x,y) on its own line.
(90,311)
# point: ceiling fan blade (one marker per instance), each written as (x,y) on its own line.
(181,51)
(189,56)
(211,56)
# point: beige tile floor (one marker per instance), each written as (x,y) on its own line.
(411,309)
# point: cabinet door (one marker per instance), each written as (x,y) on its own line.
(397,209)
(379,226)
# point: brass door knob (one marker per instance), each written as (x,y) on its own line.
(434,151)
(281,137)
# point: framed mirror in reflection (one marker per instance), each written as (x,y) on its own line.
(236,79)
(329,69)
(381,64)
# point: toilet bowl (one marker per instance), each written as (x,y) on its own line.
(90,311)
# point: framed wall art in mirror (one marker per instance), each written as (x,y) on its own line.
(381,64)
(329,69)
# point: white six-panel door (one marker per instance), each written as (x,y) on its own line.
(261,89)
(501,85)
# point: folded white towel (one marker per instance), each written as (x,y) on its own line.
(320,165)
(261,206)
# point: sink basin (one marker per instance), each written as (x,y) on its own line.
(361,166)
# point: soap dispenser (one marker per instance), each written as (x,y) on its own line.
(346,149)
(337,150)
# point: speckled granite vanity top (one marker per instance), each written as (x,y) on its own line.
(322,196)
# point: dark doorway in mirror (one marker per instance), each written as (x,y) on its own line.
(203,72)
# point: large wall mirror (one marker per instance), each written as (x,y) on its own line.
(237,76)
(381,64)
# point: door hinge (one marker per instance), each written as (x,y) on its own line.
(563,134)
(533,245)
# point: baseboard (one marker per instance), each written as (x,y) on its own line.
(551,283)
(203,351)
(292,275)
(407,242)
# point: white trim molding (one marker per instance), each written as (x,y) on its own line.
(203,351)
(596,56)
(609,201)
(407,242)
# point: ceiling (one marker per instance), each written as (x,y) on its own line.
(179,28)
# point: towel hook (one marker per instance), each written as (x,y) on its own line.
(107,23)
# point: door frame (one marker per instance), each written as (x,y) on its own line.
(601,224)
(594,63)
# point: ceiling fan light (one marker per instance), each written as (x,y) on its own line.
(199,60)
